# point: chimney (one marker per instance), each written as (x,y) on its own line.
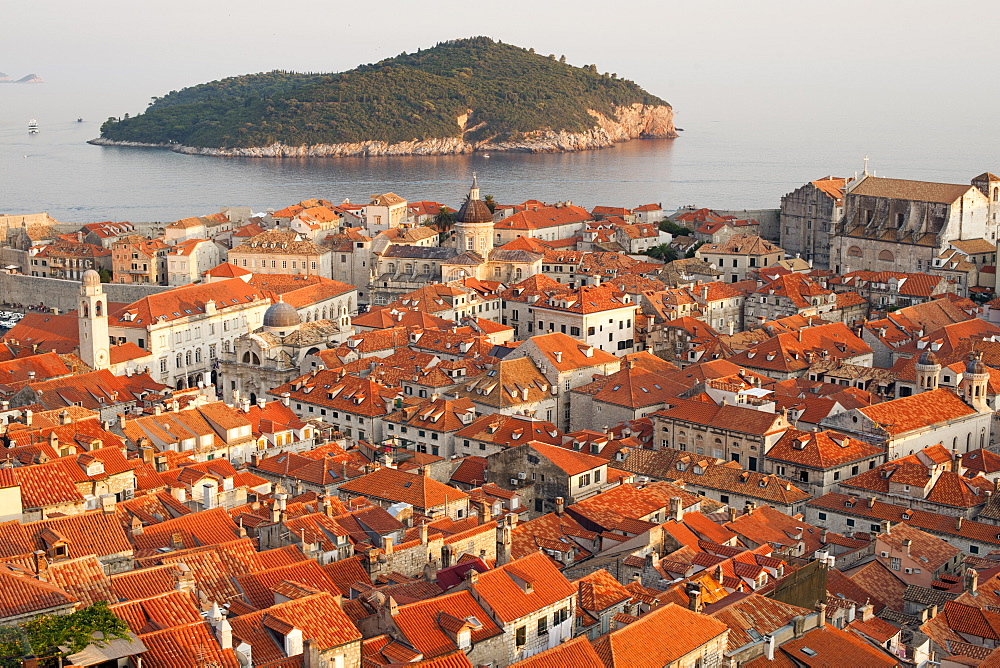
(28,413)
(286,398)
(310,654)
(558,355)
(906,545)
(867,611)
(387,544)
(423,533)
(769,647)
(958,524)
(425,471)
(799,625)
(245,405)
(732,514)
(821,616)
(694,594)
(676,511)
(560,505)
(261,402)
(971,580)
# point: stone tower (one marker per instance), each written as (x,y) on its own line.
(474,224)
(974,382)
(928,371)
(92,319)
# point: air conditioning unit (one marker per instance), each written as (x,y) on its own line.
(908,570)
(522,476)
(513,481)
(885,554)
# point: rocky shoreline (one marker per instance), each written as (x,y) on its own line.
(633,122)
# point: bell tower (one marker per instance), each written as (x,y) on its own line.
(92,319)
(975,381)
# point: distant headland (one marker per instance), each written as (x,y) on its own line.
(28,78)
(460,96)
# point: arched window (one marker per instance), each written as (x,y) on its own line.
(853,251)
(246,357)
(187,358)
(409,267)
(225,346)
(179,362)
(86,311)
(995,194)
(99,308)
(197,355)
(886,256)
(517,274)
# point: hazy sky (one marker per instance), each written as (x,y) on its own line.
(697,55)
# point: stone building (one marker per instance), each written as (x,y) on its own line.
(282,252)
(740,255)
(808,215)
(384,212)
(901,225)
(136,259)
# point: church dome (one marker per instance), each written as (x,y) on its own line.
(928,358)
(474,211)
(281,315)
(91,277)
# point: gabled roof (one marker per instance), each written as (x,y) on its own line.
(522,587)
(917,411)
(918,191)
(820,449)
(420,491)
(678,632)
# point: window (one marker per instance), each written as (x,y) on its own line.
(821,516)
(543,626)
(973,549)
(780,470)
(854,470)
(584,480)
(894,563)
(520,636)
(560,616)
(850,522)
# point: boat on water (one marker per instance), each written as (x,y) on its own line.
(80,119)
(32,127)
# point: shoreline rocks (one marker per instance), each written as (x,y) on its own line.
(633,122)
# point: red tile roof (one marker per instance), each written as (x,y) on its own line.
(678,631)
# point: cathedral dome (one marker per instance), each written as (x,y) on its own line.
(474,211)
(281,315)
(91,277)
(928,358)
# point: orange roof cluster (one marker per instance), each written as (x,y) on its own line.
(537,218)
(420,491)
(821,450)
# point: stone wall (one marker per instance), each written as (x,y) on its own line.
(62,294)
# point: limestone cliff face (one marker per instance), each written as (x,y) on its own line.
(632,122)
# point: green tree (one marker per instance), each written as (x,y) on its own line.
(54,637)
(691,251)
(105,275)
(443,222)
(673,228)
(663,252)
(490,202)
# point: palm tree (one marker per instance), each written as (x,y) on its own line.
(490,202)
(442,222)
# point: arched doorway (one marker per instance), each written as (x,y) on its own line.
(253,398)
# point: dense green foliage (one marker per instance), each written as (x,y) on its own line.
(673,228)
(415,96)
(663,252)
(43,636)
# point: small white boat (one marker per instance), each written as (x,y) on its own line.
(32,127)
(486,155)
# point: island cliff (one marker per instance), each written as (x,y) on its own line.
(458,97)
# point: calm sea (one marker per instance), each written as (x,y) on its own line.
(730,155)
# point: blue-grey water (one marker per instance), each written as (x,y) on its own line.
(730,155)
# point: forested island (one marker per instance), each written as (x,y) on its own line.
(457,97)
